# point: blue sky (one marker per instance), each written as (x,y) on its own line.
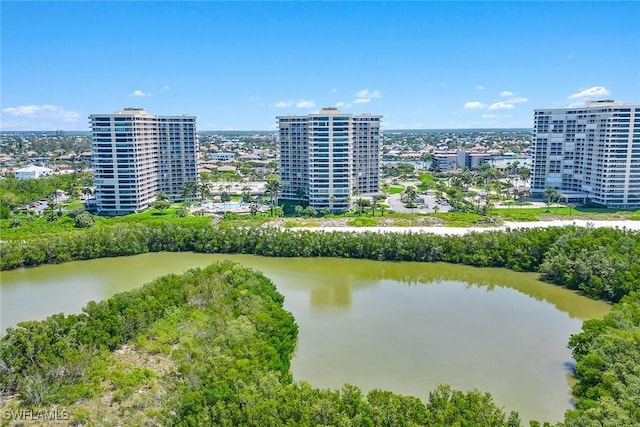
(237,65)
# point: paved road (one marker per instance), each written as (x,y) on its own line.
(621,224)
(426,204)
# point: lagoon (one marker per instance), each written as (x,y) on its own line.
(400,326)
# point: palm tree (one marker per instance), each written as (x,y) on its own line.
(246,194)
(300,195)
(272,188)
(550,195)
(374,205)
(51,201)
(87,192)
(253,208)
(332,200)
(189,191)
(487,208)
(299,210)
(362,203)
(204,190)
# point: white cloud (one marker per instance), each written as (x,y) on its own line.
(166,87)
(505,93)
(474,105)
(576,104)
(341,104)
(592,92)
(365,96)
(501,105)
(366,93)
(480,87)
(570,56)
(517,100)
(488,116)
(303,103)
(138,94)
(334,90)
(283,104)
(42,112)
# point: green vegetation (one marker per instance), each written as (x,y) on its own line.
(211,347)
(556,252)
(162,355)
(601,263)
(16,192)
(607,352)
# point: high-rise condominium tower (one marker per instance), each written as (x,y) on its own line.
(328,157)
(136,154)
(589,154)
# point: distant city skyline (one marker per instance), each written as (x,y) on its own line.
(237,65)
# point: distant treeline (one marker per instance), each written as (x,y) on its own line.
(601,263)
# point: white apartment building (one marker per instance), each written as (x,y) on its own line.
(136,154)
(450,161)
(328,157)
(589,154)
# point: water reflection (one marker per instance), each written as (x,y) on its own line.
(402,326)
(331,281)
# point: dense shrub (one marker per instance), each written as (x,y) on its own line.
(601,263)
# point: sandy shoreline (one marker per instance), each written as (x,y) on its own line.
(626,224)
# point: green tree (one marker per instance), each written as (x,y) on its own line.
(363,204)
(189,191)
(84,220)
(410,197)
(272,188)
(246,195)
(162,202)
(300,195)
(332,201)
(204,190)
(253,208)
(225,197)
(550,196)
(52,202)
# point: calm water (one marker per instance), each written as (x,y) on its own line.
(405,327)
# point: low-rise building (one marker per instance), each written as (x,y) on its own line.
(32,172)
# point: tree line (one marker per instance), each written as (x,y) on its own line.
(599,262)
